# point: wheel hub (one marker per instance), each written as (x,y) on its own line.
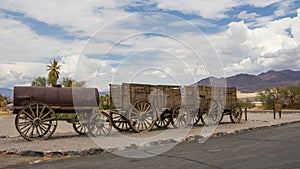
(37,121)
(100,125)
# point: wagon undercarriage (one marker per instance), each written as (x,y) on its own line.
(136,107)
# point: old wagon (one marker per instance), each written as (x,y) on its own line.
(38,110)
(209,104)
(140,107)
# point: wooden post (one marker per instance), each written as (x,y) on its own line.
(246,116)
(277,108)
(280,114)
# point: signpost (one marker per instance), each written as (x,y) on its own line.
(277,108)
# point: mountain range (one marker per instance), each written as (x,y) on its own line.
(248,83)
(245,83)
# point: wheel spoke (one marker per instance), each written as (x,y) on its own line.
(49,119)
(27,130)
(37,110)
(42,111)
(32,112)
(29,125)
(44,130)
(31,133)
(28,115)
(46,114)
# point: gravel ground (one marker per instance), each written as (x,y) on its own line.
(66,142)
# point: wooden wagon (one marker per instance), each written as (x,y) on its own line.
(38,110)
(140,107)
(209,104)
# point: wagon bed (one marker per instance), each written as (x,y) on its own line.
(39,108)
(129,100)
(212,102)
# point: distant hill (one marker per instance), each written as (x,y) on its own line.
(6,92)
(252,83)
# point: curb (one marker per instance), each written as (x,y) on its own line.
(97,151)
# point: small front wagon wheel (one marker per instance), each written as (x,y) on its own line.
(99,124)
(119,122)
(180,117)
(195,116)
(81,123)
(36,121)
(164,119)
(80,128)
(236,114)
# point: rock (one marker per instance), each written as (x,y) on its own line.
(153,143)
(84,152)
(172,141)
(93,151)
(197,137)
(72,153)
(110,150)
(160,142)
(131,147)
(12,151)
(32,153)
(9,107)
(55,154)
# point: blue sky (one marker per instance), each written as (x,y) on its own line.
(100,42)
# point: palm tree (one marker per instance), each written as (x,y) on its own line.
(53,75)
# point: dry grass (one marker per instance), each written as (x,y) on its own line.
(258,108)
(246,95)
(3,112)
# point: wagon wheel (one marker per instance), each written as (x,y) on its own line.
(36,121)
(164,120)
(119,122)
(142,116)
(99,124)
(210,113)
(180,117)
(195,117)
(81,123)
(236,114)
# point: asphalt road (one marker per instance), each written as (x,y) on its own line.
(276,147)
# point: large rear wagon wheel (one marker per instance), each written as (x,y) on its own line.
(36,121)
(180,117)
(211,113)
(236,114)
(119,122)
(142,116)
(99,124)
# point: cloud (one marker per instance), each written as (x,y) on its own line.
(285,7)
(24,53)
(216,9)
(20,43)
(213,9)
(261,4)
(259,49)
(246,15)
(149,47)
(77,17)
(20,73)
